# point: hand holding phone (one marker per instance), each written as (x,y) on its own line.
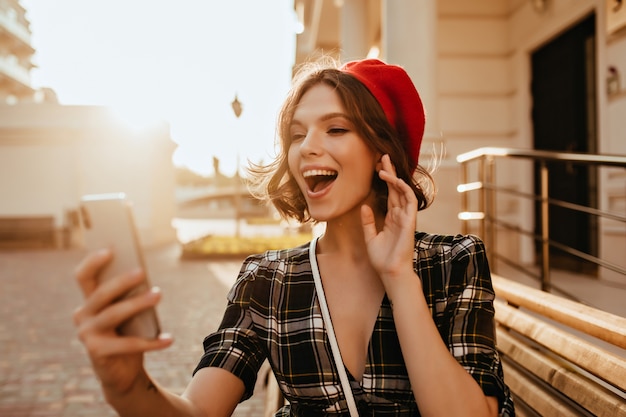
(108,222)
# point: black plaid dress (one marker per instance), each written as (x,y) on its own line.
(273,312)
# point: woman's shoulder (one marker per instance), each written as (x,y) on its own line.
(455,245)
(265,272)
(275,263)
(447,264)
(275,257)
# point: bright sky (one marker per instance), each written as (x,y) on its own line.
(181,60)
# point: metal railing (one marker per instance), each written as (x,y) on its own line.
(489,191)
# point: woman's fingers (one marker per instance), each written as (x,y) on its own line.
(98,331)
(369,223)
(87,271)
(127,345)
(105,310)
(107,345)
(400,193)
(388,174)
(105,315)
(111,290)
(111,300)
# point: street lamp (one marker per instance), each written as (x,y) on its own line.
(237,109)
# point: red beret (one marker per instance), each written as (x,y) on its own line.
(393,89)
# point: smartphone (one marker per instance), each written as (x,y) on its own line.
(108,222)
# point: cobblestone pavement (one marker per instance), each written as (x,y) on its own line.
(44,371)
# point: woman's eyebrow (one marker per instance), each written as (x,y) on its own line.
(334,115)
(323,118)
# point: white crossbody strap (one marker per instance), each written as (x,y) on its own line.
(343,377)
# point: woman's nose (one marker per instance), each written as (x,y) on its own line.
(311,144)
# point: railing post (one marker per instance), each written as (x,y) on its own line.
(541,200)
(545,229)
(483,196)
(490,208)
(464,198)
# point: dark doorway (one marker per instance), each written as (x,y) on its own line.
(564,119)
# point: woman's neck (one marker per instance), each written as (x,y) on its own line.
(344,236)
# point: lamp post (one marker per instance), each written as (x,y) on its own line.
(237,109)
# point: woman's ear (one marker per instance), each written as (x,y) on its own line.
(379,162)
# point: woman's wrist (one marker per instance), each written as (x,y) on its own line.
(118,396)
(402,285)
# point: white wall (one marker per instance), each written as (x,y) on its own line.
(474,95)
(50,155)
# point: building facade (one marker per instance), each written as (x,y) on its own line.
(16,54)
(484,69)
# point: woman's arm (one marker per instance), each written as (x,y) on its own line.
(118,360)
(211,392)
(441,386)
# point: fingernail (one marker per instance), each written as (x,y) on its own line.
(155,291)
(165,336)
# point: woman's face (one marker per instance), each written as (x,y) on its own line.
(329,160)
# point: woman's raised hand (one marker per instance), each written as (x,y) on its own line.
(117,360)
(391,249)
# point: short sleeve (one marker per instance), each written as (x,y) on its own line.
(235,345)
(464,312)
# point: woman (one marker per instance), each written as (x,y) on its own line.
(412,313)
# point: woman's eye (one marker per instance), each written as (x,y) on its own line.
(337,131)
(295,137)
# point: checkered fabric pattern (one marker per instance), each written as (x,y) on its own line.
(273,312)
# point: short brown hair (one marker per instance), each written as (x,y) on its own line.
(274,182)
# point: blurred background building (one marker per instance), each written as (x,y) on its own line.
(16,54)
(51,154)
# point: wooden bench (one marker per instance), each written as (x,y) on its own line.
(27,232)
(561,358)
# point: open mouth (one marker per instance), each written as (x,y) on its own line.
(318,179)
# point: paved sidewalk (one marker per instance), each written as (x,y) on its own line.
(44,371)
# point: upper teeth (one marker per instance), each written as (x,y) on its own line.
(317,172)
